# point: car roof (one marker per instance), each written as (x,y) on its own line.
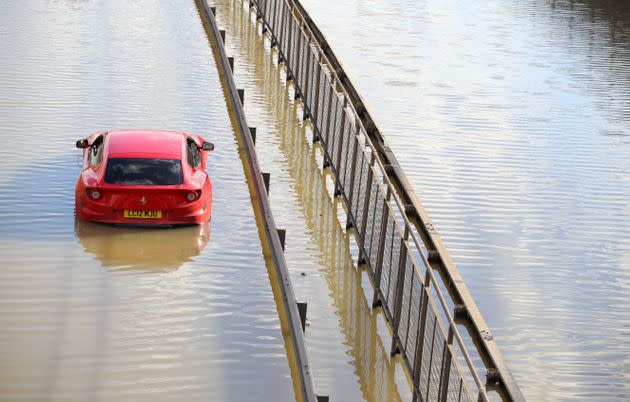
(145,144)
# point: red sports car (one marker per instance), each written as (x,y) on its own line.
(146,177)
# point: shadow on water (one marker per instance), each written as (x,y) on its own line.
(135,248)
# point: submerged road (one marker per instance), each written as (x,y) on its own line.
(92,312)
(104,313)
(512,121)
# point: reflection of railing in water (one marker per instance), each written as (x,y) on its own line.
(273,248)
(397,242)
(358,322)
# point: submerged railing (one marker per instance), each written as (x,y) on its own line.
(291,318)
(397,242)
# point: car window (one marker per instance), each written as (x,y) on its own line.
(144,171)
(96,151)
(193,153)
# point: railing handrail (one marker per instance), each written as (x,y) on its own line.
(383,150)
(405,199)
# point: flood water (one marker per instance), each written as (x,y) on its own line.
(94,312)
(512,120)
(347,341)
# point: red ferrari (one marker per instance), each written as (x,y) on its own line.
(146,177)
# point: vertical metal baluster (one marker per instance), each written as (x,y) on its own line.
(328,134)
(289,54)
(353,169)
(270,20)
(332,122)
(366,207)
(368,242)
(305,91)
(446,364)
(315,117)
(276,22)
(368,190)
(431,357)
(381,249)
(421,330)
(337,164)
(400,280)
(283,30)
(298,56)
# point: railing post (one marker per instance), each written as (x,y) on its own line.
(282,235)
(302,311)
(296,69)
(364,218)
(252,132)
(266,180)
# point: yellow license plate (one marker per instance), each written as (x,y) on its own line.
(142,214)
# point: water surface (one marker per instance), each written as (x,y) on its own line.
(94,312)
(512,120)
(347,341)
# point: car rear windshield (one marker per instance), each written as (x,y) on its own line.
(144,171)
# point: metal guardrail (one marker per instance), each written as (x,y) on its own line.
(273,239)
(397,242)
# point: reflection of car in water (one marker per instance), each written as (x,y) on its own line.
(142,248)
(151,177)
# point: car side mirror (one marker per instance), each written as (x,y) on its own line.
(82,144)
(207,146)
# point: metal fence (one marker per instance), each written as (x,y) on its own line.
(423,328)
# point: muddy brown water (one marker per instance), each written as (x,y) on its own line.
(94,312)
(511,118)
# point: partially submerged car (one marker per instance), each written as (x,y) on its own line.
(146,177)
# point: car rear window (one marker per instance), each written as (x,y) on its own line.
(144,171)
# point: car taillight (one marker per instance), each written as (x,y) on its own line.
(93,194)
(193,195)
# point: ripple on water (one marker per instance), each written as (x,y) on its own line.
(90,311)
(506,135)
